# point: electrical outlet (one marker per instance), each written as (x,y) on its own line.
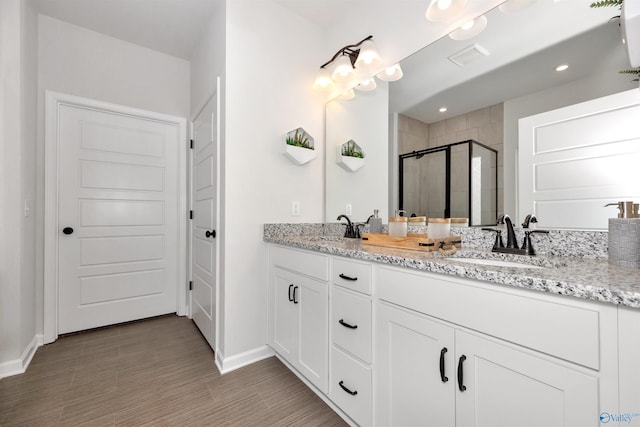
(295,208)
(348,210)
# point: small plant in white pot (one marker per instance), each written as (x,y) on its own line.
(299,146)
(350,156)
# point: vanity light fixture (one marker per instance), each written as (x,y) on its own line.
(391,74)
(470,29)
(562,67)
(346,96)
(445,10)
(362,55)
(323,81)
(367,85)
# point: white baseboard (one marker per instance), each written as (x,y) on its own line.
(231,363)
(19,366)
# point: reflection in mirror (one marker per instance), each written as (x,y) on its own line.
(457,180)
(486,98)
(365,121)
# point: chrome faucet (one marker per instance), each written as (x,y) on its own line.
(349,232)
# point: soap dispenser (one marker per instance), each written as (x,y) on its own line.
(375,223)
(398,225)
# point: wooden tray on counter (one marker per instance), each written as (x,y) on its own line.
(414,242)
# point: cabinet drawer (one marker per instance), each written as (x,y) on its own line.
(566,329)
(351,274)
(351,322)
(303,262)
(355,399)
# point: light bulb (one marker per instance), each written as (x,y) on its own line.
(391,74)
(468,25)
(444,4)
(367,85)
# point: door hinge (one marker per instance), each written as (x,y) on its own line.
(191,144)
(190,214)
(190,285)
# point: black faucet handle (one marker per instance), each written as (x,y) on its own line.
(498,242)
(358,230)
(527,246)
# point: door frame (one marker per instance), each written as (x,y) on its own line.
(53,101)
(216,226)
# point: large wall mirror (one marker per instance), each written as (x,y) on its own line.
(505,73)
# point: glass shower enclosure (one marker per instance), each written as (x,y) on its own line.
(458,180)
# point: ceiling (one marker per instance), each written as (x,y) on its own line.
(175,26)
(170,26)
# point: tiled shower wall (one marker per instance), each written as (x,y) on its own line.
(484,125)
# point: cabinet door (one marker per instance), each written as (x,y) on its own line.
(410,390)
(285,314)
(509,387)
(312,299)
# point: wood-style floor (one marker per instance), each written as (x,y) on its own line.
(156,372)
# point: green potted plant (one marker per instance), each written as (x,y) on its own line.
(350,156)
(299,146)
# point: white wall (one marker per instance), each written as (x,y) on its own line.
(365,120)
(272,56)
(81,62)
(18,61)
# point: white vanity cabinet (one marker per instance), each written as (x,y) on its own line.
(392,346)
(351,374)
(476,371)
(298,307)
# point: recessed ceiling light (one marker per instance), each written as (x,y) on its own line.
(442,109)
(562,67)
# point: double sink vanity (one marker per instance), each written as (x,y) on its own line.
(392,337)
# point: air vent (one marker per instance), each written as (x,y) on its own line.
(468,55)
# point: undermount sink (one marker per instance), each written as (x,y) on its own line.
(494,262)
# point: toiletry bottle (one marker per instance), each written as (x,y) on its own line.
(375,223)
(398,225)
(620,206)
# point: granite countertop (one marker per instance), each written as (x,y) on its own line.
(592,279)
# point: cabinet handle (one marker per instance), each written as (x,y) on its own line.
(295,301)
(290,297)
(443,378)
(352,393)
(461,385)
(346,325)
(345,277)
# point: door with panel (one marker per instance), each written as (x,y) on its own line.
(498,385)
(118,201)
(415,370)
(204,243)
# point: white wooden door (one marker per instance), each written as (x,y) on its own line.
(411,391)
(118,200)
(509,387)
(204,246)
(574,160)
